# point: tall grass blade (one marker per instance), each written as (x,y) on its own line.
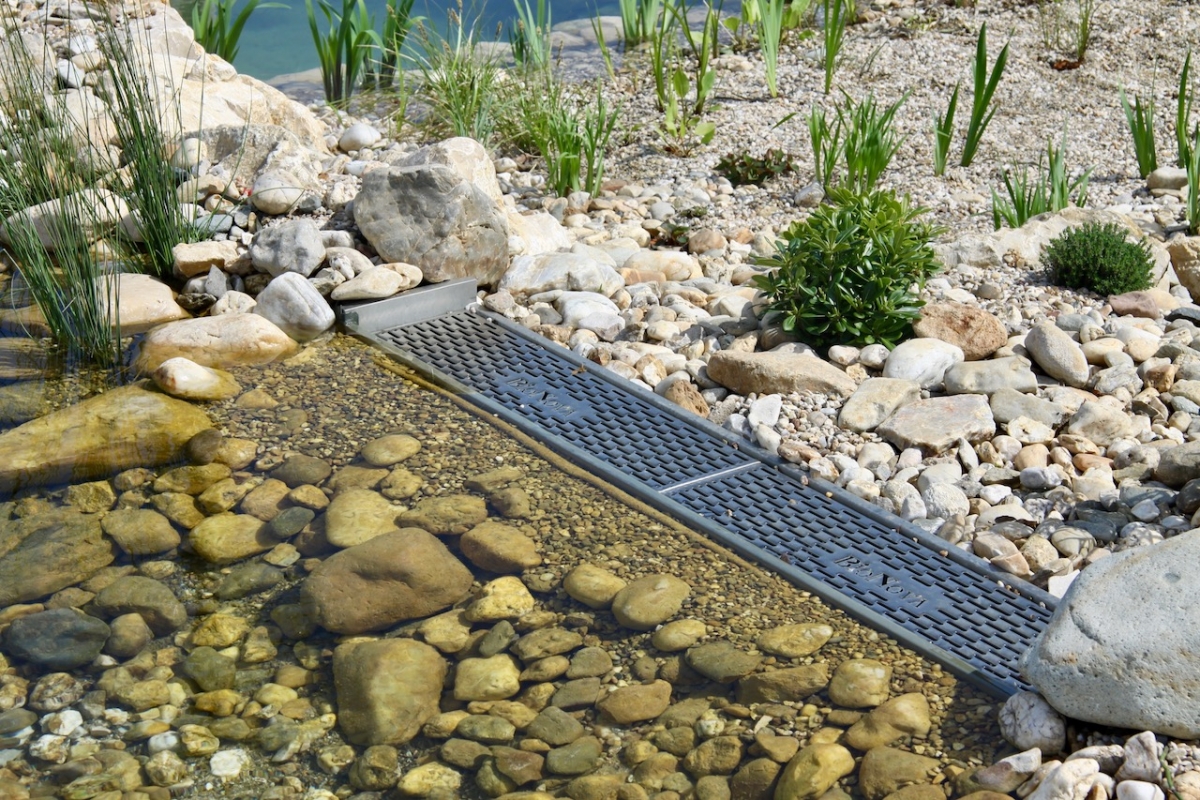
(1183,112)
(1140,118)
(943,132)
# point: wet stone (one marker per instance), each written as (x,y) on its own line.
(576,758)
(60,639)
(722,662)
(555,727)
(300,469)
(450,515)
(486,729)
(248,579)
(290,521)
(576,694)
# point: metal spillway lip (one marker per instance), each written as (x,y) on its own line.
(928,595)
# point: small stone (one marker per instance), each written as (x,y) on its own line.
(593,586)
(649,601)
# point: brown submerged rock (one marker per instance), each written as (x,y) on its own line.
(124,428)
(397,576)
(40,555)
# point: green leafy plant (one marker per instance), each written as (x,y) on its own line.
(663,49)
(982,110)
(743,168)
(828,145)
(1046,191)
(870,141)
(1140,117)
(682,128)
(1183,113)
(837,14)
(943,132)
(851,273)
(1061,33)
(1099,257)
(216,27)
(344,48)
(571,137)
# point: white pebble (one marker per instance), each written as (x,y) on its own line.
(228,763)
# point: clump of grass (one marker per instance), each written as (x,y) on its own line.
(460,82)
(529,35)
(827,145)
(982,109)
(871,141)
(1046,191)
(1183,113)
(571,136)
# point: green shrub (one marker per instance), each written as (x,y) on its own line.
(851,272)
(1100,258)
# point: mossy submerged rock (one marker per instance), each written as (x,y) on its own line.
(44,553)
(118,430)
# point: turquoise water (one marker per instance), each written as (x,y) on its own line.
(277,41)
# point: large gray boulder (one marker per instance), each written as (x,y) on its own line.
(1123,647)
(428,215)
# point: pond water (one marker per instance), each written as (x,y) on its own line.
(246,618)
(277,41)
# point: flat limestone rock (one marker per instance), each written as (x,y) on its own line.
(1120,648)
(118,430)
(934,425)
(778,373)
(44,553)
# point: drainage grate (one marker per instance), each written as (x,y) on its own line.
(936,599)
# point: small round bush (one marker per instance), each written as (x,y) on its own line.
(851,272)
(1100,258)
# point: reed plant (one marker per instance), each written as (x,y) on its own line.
(703,47)
(870,141)
(1140,117)
(771,15)
(943,132)
(571,134)
(982,109)
(602,44)
(344,48)
(47,164)
(828,145)
(142,118)
(397,25)
(837,14)
(1183,113)
(529,35)
(639,20)
(1193,185)
(218,29)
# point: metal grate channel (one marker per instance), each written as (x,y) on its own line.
(950,607)
(580,406)
(938,600)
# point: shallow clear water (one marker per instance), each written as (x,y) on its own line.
(277,41)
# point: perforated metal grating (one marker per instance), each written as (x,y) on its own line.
(949,606)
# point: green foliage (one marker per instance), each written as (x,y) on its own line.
(943,132)
(682,128)
(837,13)
(1183,113)
(703,49)
(218,30)
(1062,33)
(743,168)
(1100,258)
(770,32)
(150,185)
(1047,191)
(344,48)
(982,110)
(1140,117)
(851,273)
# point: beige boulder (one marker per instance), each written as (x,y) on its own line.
(386,689)
(393,577)
(778,373)
(228,340)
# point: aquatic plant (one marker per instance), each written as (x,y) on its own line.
(344,48)
(218,29)
(982,109)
